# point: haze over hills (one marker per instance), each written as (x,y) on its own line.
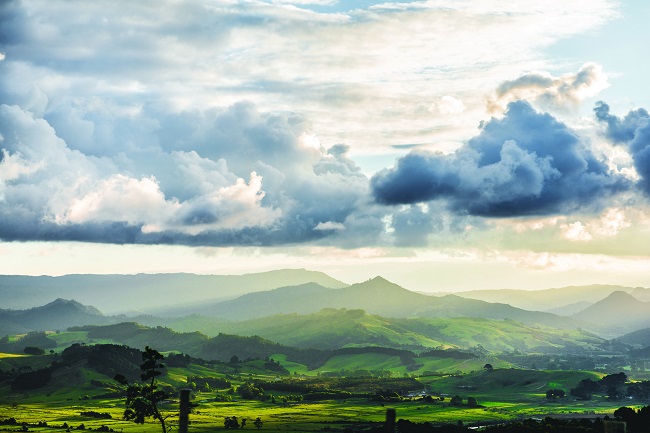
(619,310)
(376,296)
(617,314)
(552,299)
(147,292)
(57,315)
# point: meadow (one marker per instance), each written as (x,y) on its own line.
(502,394)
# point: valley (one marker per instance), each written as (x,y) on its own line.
(307,357)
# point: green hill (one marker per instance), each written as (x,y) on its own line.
(377,296)
(331,328)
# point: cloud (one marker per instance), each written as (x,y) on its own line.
(346,70)
(527,163)
(165,184)
(634,131)
(552,92)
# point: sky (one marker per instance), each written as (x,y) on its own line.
(446,145)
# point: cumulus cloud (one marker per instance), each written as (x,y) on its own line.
(527,163)
(634,131)
(175,185)
(552,92)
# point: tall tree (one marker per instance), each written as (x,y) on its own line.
(142,399)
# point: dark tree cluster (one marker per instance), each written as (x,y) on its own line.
(637,420)
(108,359)
(611,385)
(552,394)
(200,382)
(32,379)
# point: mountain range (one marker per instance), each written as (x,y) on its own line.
(114,294)
(613,315)
(568,300)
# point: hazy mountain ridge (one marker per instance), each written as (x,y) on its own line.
(376,296)
(618,310)
(548,299)
(117,293)
(58,314)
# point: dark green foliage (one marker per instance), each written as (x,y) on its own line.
(488,367)
(108,359)
(231,422)
(276,367)
(250,392)
(32,379)
(456,400)
(135,335)
(585,389)
(472,402)
(447,354)
(552,394)
(258,423)
(33,350)
(639,390)
(213,382)
(178,360)
(98,415)
(327,395)
(613,384)
(637,421)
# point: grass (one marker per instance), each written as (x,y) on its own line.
(503,394)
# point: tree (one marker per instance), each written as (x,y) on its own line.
(258,423)
(552,394)
(613,384)
(488,367)
(456,400)
(33,350)
(231,422)
(142,399)
(472,402)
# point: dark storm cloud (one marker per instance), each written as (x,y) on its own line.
(526,163)
(634,131)
(620,130)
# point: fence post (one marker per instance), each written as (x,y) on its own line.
(390,420)
(184,415)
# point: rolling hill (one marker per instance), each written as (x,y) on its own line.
(332,328)
(376,296)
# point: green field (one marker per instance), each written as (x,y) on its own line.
(503,394)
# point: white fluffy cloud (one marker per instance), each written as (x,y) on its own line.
(555,92)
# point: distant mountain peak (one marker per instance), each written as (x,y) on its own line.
(70,303)
(622,296)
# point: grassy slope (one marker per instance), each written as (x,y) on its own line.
(345,328)
(504,393)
